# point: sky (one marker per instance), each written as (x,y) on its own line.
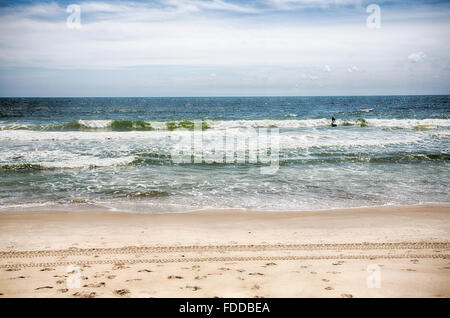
(224,48)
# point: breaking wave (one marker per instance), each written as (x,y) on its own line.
(128,125)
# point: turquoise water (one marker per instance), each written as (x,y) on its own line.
(118,153)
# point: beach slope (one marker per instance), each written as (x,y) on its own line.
(401,251)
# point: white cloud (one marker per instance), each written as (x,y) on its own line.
(163,8)
(289,4)
(352,69)
(136,35)
(127,35)
(416,57)
(309,77)
(213,5)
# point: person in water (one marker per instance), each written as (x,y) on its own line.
(333,121)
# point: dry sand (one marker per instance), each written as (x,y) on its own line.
(227,253)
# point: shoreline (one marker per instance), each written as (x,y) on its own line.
(87,207)
(260,254)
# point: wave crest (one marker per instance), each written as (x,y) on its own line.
(138,125)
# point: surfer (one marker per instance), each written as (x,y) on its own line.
(333,121)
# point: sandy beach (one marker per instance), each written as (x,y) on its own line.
(401,251)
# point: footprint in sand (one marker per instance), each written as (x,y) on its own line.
(414,261)
(111,276)
(144,271)
(329,288)
(121,292)
(133,280)
(19,277)
(269,264)
(313,273)
(194,288)
(47,269)
(241,270)
(325,280)
(96,285)
(174,277)
(12,269)
(43,287)
(218,274)
(200,277)
(61,281)
(119,266)
(259,274)
(85,294)
(63,290)
(256,286)
(347,295)
(338,263)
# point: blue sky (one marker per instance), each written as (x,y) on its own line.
(224,48)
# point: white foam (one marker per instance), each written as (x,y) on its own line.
(268,123)
(324,122)
(61,159)
(86,162)
(95,124)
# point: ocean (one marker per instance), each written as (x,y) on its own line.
(118,153)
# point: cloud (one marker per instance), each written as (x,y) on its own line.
(352,69)
(289,4)
(164,8)
(309,77)
(223,36)
(417,57)
(131,34)
(213,5)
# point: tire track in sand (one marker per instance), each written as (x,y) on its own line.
(225,259)
(223,248)
(341,251)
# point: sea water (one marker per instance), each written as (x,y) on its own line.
(117,153)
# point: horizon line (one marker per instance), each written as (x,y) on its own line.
(227,96)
